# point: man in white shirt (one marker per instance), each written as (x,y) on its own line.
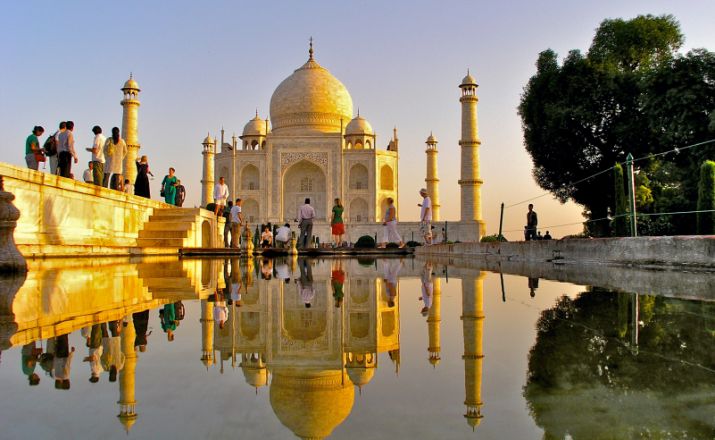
(97,150)
(65,151)
(306,214)
(426,216)
(87,175)
(236,222)
(283,235)
(220,196)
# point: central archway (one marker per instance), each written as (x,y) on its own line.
(303,180)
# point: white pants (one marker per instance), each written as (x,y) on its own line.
(53,164)
(390,234)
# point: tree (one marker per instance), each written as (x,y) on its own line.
(631,93)
(620,222)
(706,199)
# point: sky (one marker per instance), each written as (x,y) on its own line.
(206,65)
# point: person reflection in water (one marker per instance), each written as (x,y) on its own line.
(390,271)
(305,283)
(29,356)
(220,309)
(427,288)
(337,280)
(141,325)
(167,316)
(533,285)
(266,269)
(93,338)
(112,356)
(62,362)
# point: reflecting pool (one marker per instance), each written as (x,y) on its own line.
(162,348)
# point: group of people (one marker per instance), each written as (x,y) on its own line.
(531,229)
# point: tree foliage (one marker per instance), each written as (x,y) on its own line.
(620,222)
(706,198)
(631,93)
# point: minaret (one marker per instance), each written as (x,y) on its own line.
(470,183)
(207,334)
(207,182)
(127,380)
(130,118)
(434,320)
(432,180)
(472,325)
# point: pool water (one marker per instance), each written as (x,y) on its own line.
(162,348)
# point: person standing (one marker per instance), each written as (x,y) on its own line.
(220,195)
(168,187)
(167,316)
(51,147)
(227,224)
(97,150)
(236,222)
(390,234)
(337,225)
(305,283)
(426,216)
(62,362)
(532,221)
(427,288)
(65,151)
(141,184)
(32,148)
(283,236)
(115,149)
(180,194)
(141,325)
(128,187)
(87,175)
(337,280)
(306,214)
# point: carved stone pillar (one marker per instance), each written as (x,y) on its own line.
(11,260)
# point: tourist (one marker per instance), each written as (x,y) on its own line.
(168,187)
(306,214)
(29,356)
(180,194)
(548,236)
(62,362)
(337,225)
(141,183)
(266,237)
(266,268)
(141,325)
(50,147)
(33,152)
(115,149)
(220,195)
(112,356)
(283,236)
(531,222)
(305,283)
(235,283)
(283,271)
(337,280)
(97,150)
(128,187)
(236,222)
(427,288)
(391,269)
(539,236)
(390,234)
(65,151)
(227,224)
(167,316)
(426,216)
(93,335)
(533,284)
(220,310)
(87,175)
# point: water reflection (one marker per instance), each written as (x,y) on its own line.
(313,334)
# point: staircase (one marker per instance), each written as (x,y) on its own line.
(171,227)
(168,281)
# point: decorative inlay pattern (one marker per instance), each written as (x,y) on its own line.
(288,159)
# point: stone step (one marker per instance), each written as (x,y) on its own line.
(161,272)
(169,212)
(160,242)
(168,226)
(151,233)
(167,282)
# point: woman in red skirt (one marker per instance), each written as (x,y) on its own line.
(336,224)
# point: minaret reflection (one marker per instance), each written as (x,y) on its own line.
(472,325)
(207,333)
(434,319)
(127,379)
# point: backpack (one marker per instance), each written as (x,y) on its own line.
(50,146)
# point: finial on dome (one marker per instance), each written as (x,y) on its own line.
(256,111)
(310,50)
(131,75)
(358,112)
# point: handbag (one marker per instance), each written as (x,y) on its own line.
(39,157)
(162,193)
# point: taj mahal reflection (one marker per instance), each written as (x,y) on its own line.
(311,332)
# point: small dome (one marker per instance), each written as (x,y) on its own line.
(208,139)
(431,139)
(468,80)
(360,376)
(255,377)
(255,127)
(131,84)
(359,125)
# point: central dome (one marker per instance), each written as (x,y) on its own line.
(311,99)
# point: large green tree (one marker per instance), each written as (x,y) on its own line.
(631,93)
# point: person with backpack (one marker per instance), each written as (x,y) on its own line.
(65,151)
(115,149)
(50,147)
(33,152)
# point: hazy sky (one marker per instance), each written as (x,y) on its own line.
(203,65)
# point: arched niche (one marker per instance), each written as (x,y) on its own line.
(250,178)
(358,179)
(358,210)
(303,180)
(387,179)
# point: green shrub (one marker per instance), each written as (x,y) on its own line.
(392,246)
(620,223)
(366,261)
(493,238)
(706,199)
(365,242)
(211,207)
(413,243)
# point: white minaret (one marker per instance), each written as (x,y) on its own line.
(432,180)
(207,181)
(130,118)
(470,183)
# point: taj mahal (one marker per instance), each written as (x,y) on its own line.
(315,146)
